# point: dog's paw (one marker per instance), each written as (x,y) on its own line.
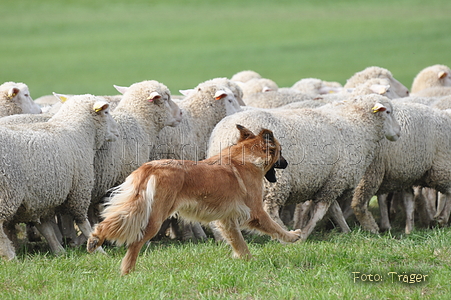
(92,244)
(296,234)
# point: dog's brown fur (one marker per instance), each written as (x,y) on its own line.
(227,188)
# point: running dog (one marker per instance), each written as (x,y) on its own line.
(226,188)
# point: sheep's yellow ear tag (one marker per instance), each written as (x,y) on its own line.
(100,105)
(220,94)
(442,74)
(378,107)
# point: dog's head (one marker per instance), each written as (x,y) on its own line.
(266,147)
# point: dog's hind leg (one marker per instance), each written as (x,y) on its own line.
(261,221)
(232,234)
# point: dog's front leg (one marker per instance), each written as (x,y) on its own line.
(232,234)
(261,221)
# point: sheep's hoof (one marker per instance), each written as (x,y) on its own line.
(92,244)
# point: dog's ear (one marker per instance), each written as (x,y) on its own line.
(268,136)
(244,133)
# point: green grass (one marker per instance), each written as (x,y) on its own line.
(87,46)
(321,268)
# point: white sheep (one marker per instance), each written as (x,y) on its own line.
(273,99)
(245,76)
(234,86)
(327,149)
(257,85)
(379,86)
(15,99)
(432,76)
(145,109)
(315,86)
(208,104)
(377,72)
(49,167)
(436,91)
(421,157)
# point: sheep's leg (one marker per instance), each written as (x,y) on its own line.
(440,204)
(66,224)
(6,246)
(319,212)
(232,234)
(198,231)
(423,205)
(409,206)
(383,207)
(46,229)
(338,217)
(301,214)
(273,210)
(442,216)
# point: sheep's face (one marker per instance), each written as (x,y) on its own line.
(19,95)
(392,129)
(111,132)
(172,110)
(226,97)
(398,88)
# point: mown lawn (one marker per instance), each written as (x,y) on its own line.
(330,265)
(86,46)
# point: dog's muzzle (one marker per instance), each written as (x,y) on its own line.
(281,163)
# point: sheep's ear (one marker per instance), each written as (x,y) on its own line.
(121,89)
(186,93)
(12,92)
(379,88)
(62,98)
(378,107)
(153,96)
(220,94)
(442,74)
(266,89)
(244,133)
(100,105)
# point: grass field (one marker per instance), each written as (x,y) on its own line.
(87,46)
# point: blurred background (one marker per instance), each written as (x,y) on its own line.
(86,46)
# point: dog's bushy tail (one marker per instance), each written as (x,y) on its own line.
(126,215)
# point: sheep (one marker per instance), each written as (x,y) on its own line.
(436,91)
(245,76)
(230,84)
(421,157)
(273,99)
(49,167)
(15,99)
(145,109)
(432,76)
(257,85)
(327,148)
(202,110)
(377,72)
(314,86)
(380,86)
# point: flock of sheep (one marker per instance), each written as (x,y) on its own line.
(60,155)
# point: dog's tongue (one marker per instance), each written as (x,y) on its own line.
(271,175)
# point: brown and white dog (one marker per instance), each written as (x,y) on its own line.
(227,188)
